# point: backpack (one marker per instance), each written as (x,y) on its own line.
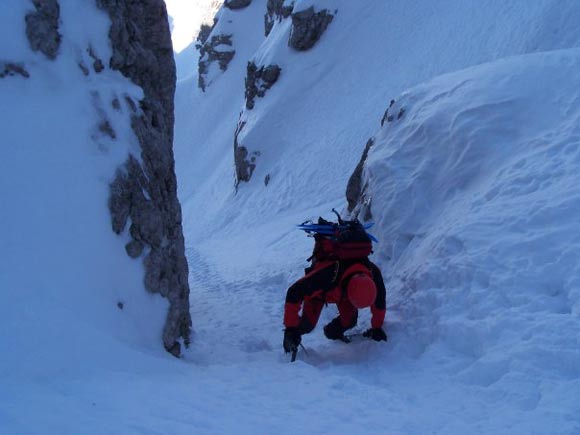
(344,240)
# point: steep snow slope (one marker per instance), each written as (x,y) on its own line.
(198,163)
(473,190)
(476,194)
(329,100)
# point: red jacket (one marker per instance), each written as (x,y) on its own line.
(326,283)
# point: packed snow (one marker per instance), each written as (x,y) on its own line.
(474,191)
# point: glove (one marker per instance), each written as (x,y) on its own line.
(376,334)
(334,330)
(292,339)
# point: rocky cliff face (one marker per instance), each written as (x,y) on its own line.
(307,28)
(357,196)
(276,10)
(144,192)
(237,4)
(258,81)
(42,27)
(8,69)
(216,48)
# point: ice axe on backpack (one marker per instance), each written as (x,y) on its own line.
(340,221)
(333,230)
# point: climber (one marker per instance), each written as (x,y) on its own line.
(342,274)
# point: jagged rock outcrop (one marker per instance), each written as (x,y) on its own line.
(307,28)
(389,115)
(277,10)
(204,32)
(212,50)
(42,27)
(259,80)
(237,4)
(245,162)
(8,69)
(97,63)
(358,200)
(144,192)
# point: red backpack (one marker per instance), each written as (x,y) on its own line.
(344,240)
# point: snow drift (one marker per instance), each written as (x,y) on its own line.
(476,192)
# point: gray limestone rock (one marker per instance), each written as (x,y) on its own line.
(277,10)
(9,69)
(144,191)
(244,161)
(390,116)
(213,51)
(106,128)
(259,80)
(237,4)
(97,62)
(358,200)
(307,28)
(131,103)
(134,248)
(42,27)
(204,33)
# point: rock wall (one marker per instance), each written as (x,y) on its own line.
(144,192)
(258,81)
(236,4)
(359,202)
(42,27)
(212,50)
(204,32)
(245,161)
(276,10)
(307,28)
(8,69)
(357,195)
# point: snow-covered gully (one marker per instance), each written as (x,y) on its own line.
(471,179)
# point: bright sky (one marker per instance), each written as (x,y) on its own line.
(188,15)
